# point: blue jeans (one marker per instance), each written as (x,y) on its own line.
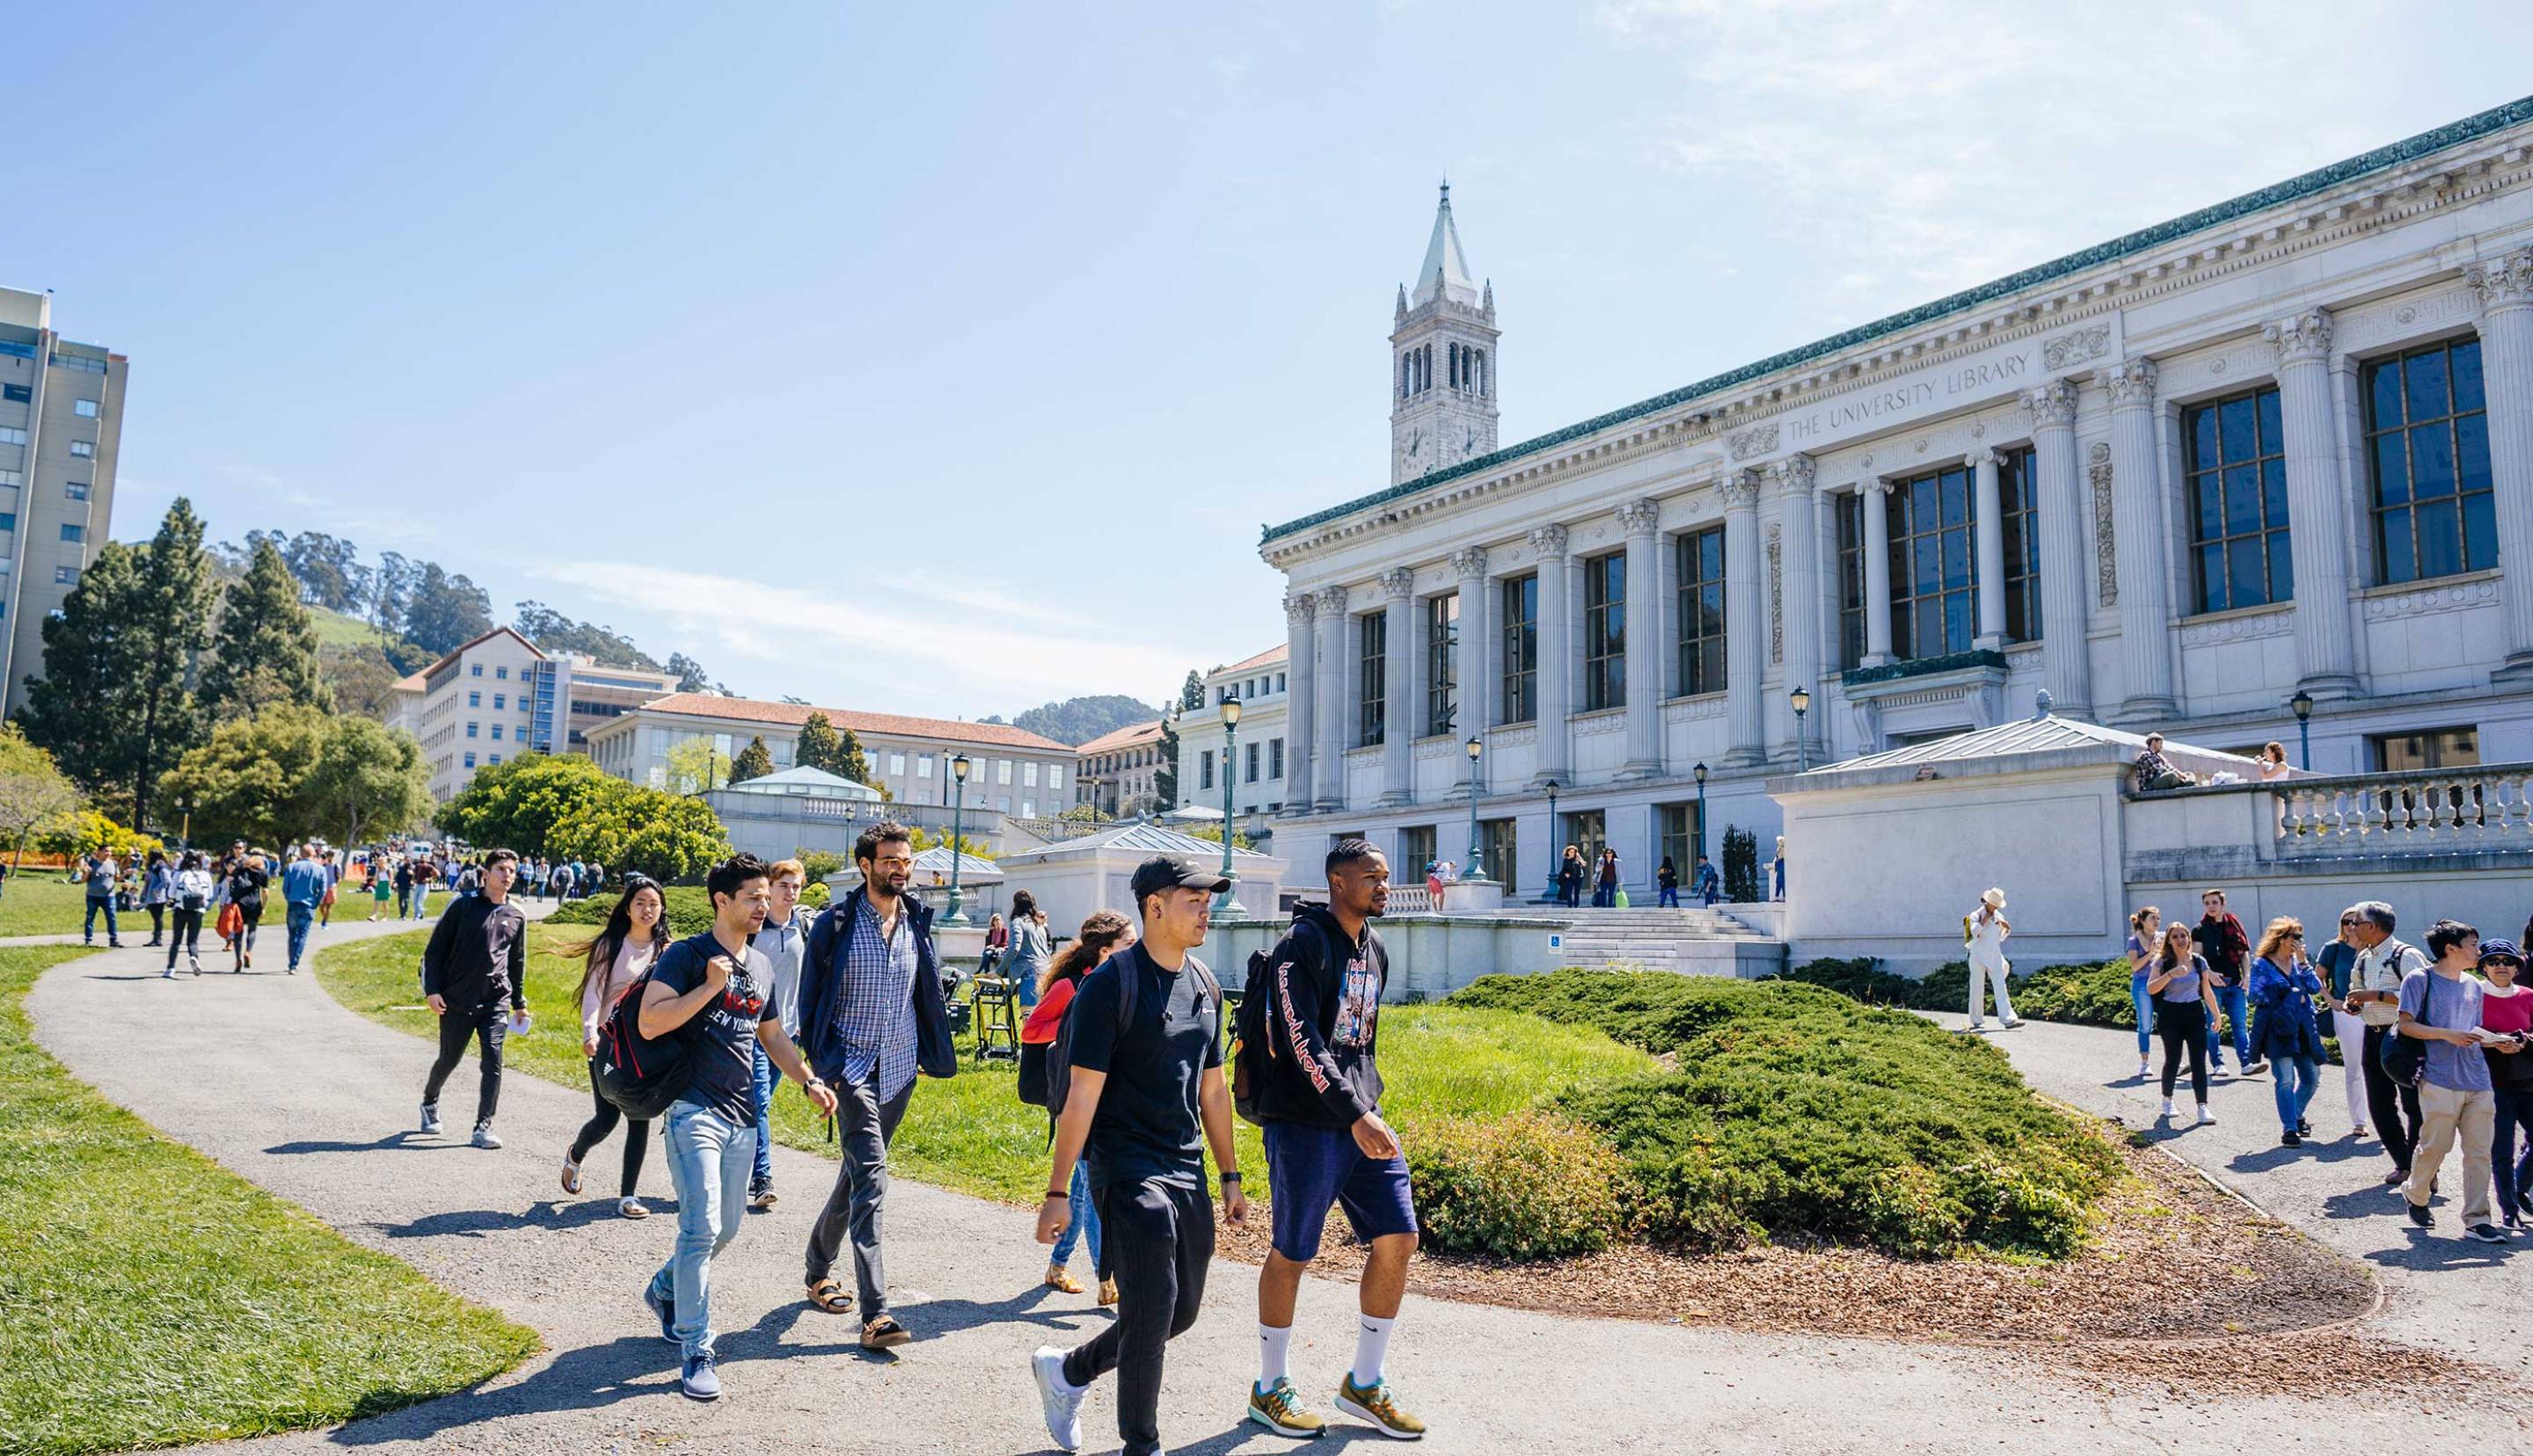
(1085,1217)
(2145,1005)
(96,902)
(421,897)
(298,917)
(2237,1005)
(1669,895)
(2293,1081)
(767,1078)
(708,1158)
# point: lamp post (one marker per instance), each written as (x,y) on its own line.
(1801,698)
(958,767)
(1700,770)
(1477,871)
(2302,703)
(1228,903)
(1555,859)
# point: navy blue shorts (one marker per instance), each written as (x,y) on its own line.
(1309,1169)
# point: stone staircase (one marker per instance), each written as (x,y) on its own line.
(1691,942)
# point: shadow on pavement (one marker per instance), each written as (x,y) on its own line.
(577,1381)
(477,1222)
(394,1141)
(2442,1248)
(2268,1159)
(1247,1433)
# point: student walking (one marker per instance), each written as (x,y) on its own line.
(303,888)
(477,960)
(2337,962)
(2506,1009)
(1569,878)
(2226,946)
(1327,1144)
(783,940)
(1605,887)
(871,1017)
(2384,964)
(2145,933)
(382,888)
(1983,933)
(2179,986)
(1031,947)
(424,872)
(246,885)
(158,887)
(2441,1006)
(1146,1076)
(1102,933)
(191,893)
(710,989)
(2281,991)
(334,877)
(1708,885)
(1666,885)
(99,872)
(610,961)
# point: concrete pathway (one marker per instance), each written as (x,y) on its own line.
(317,1104)
(2441,1289)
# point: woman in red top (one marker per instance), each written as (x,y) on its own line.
(2507,1005)
(1102,935)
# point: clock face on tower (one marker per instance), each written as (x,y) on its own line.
(1415,445)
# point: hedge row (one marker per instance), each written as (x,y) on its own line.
(2089,995)
(690,907)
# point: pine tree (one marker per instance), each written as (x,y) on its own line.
(851,761)
(171,629)
(264,650)
(754,761)
(819,747)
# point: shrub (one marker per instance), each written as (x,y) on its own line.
(2086,995)
(1863,978)
(1526,1187)
(689,909)
(1741,866)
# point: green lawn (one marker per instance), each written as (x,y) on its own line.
(150,1298)
(335,629)
(973,1133)
(41,903)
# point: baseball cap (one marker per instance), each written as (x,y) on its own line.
(1172,872)
(2500,949)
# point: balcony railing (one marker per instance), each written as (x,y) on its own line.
(2488,806)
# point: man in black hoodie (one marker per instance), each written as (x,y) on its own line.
(1320,1101)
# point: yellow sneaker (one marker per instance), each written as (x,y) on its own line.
(1281,1409)
(1376,1406)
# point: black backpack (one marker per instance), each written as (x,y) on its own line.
(642,1077)
(1055,1075)
(1253,1040)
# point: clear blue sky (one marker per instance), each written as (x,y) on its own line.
(816,340)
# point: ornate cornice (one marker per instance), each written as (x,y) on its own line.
(2302,340)
(1640,517)
(1333,600)
(1549,540)
(2070,349)
(1399,583)
(1469,561)
(2131,381)
(1738,489)
(2052,406)
(1758,439)
(2442,597)
(2504,284)
(1795,473)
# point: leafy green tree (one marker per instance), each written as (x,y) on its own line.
(754,761)
(696,766)
(359,678)
(391,584)
(34,792)
(328,568)
(88,831)
(1081,720)
(665,835)
(517,804)
(691,678)
(249,780)
(820,746)
(265,649)
(369,778)
(442,611)
(552,631)
(924,838)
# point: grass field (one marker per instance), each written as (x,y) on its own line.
(150,1298)
(973,1133)
(41,903)
(335,629)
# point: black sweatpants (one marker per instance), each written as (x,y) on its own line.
(487,1024)
(2395,1107)
(2183,1026)
(637,1135)
(187,935)
(1159,1240)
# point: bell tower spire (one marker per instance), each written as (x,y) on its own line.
(1443,359)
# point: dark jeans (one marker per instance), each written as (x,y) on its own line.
(2514,1179)
(2183,1026)
(2237,1005)
(188,934)
(487,1024)
(863,1127)
(96,902)
(637,1135)
(1569,892)
(1158,1240)
(2395,1107)
(1668,896)
(157,920)
(767,1079)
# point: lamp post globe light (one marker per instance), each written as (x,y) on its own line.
(1477,871)
(1555,859)
(2302,703)
(958,767)
(1228,903)
(1801,698)
(1700,770)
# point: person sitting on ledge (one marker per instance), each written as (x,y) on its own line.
(2153,773)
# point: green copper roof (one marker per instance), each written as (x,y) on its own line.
(2471,128)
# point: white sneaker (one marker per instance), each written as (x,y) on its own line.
(2168,1109)
(430,1118)
(2204,1116)
(1060,1401)
(484,1136)
(2142,1068)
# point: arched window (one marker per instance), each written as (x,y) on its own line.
(1403,368)
(1482,373)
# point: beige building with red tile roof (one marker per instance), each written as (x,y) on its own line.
(1117,771)
(1253,758)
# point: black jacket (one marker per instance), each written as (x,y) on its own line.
(1322,1068)
(478,954)
(822,989)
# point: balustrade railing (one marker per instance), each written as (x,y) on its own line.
(1410,899)
(2422,811)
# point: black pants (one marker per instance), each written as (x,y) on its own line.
(248,917)
(487,1024)
(187,935)
(2183,1026)
(158,919)
(1159,1239)
(864,1125)
(637,1135)
(2395,1107)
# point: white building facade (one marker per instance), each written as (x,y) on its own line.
(498,696)
(1253,757)
(2282,445)
(61,434)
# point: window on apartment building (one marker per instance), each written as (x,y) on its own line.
(1371,678)
(18,393)
(2428,748)
(1002,771)
(503,701)
(924,766)
(1275,758)
(474,700)
(497,730)
(10,434)
(12,478)
(496,758)
(470,758)
(470,729)
(1205,769)
(8,520)
(1520,649)
(1248,765)
(2234,462)
(2427,444)
(2015,489)
(85,409)
(74,531)
(66,576)
(1028,774)
(1605,632)
(1442,663)
(1701,611)
(474,670)
(82,450)
(75,489)
(501,672)
(1934,584)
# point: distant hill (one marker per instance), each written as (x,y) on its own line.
(1081,720)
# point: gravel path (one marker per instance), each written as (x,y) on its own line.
(2441,1289)
(268,1075)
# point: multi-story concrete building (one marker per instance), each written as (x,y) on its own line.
(1011,771)
(61,431)
(1119,771)
(1255,754)
(498,696)
(2278,451)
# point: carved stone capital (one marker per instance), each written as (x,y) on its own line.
(1299,608)
(1333,600)
(1639,517)
(1795,473)
(2304,338)
(2506,282)
(1549,540)
(1740,489)
(1399,583)
(2131,382)
(2052,406)
(1470,561)
(1987,455)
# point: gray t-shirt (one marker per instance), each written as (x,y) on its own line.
(2451,1004)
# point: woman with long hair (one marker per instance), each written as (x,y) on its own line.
(1569,878)
(158,888)
(2146,927)
(247,879)
(191,894)
(2179,987)
(1031,947)
(1102,934)
(634,936)
(2282,987)
(2273,763)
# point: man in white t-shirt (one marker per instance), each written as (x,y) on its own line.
(2375,999)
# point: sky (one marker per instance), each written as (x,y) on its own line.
(947,360)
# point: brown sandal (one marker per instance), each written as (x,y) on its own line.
(885,1333)
(1061,1278)
(830,1297)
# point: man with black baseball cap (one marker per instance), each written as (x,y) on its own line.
(1145,1038)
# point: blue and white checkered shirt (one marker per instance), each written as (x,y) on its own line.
(875,1014)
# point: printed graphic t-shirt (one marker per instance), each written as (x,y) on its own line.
(721,1039)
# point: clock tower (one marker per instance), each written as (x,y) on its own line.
(1441,361)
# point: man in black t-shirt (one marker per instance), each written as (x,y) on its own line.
(713,992)
(1146,1041)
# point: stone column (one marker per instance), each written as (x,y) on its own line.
(1987,505)
(1470,669)
(1331,710)
(1746,621)
(1644,641)
(1877,570)
(2066,665)
(1399,686)
(1301,697)
(2317,508)
(2505,289)
(1556,660)
(2144,570)
(1794,478)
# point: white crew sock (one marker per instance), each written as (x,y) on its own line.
(1273,1346)
(1371,1350)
